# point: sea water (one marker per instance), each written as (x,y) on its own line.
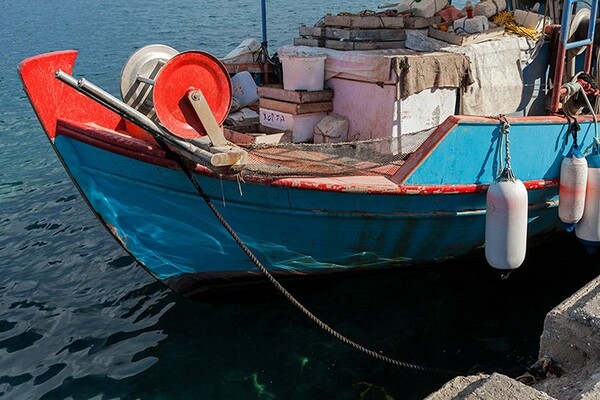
(78,318)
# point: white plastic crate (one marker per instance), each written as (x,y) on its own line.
(302,126)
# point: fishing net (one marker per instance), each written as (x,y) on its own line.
(381,157)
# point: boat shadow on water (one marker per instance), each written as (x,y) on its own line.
(313,210)
(545,266)
(458,315)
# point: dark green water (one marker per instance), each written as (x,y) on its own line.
(78,319)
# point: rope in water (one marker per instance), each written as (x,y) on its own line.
(287,294)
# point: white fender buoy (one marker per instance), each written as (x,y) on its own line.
(588,228)
(506,224)
(573,182)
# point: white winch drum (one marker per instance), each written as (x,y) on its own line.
(139,73)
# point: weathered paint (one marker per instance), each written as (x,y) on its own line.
(52,100)
(296,225)
(537,145)
(164,223)
(135,148)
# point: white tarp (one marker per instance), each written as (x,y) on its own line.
(366,66)
(245,52)
(418,71)
(497,71)
(497,75)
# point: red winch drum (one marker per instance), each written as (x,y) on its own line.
(185,71)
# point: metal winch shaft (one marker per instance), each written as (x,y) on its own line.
(181,146)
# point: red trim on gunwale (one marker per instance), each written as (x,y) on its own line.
(148,156)
(462,189)
(109,137)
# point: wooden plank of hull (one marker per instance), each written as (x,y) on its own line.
(533,150)
(346,230)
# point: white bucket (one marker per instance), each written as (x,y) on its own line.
(244,88)
(303,71)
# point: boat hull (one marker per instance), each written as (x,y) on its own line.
(431,209)
(157,215)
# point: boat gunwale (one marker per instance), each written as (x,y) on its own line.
(118,143)
(37,72)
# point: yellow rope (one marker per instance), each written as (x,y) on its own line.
(506,18)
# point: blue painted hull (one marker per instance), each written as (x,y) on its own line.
(159,218)
(431,208)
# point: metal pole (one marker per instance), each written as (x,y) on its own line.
(265,42)
(89,89)
(263,8)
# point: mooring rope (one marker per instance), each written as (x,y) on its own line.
(572,129)
(580,85)
(287,294)
(506,172)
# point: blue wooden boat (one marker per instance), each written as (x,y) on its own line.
(426,207)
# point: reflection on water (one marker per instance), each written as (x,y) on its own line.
(79,320)
(126,338)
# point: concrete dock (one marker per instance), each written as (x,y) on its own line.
(571,339)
